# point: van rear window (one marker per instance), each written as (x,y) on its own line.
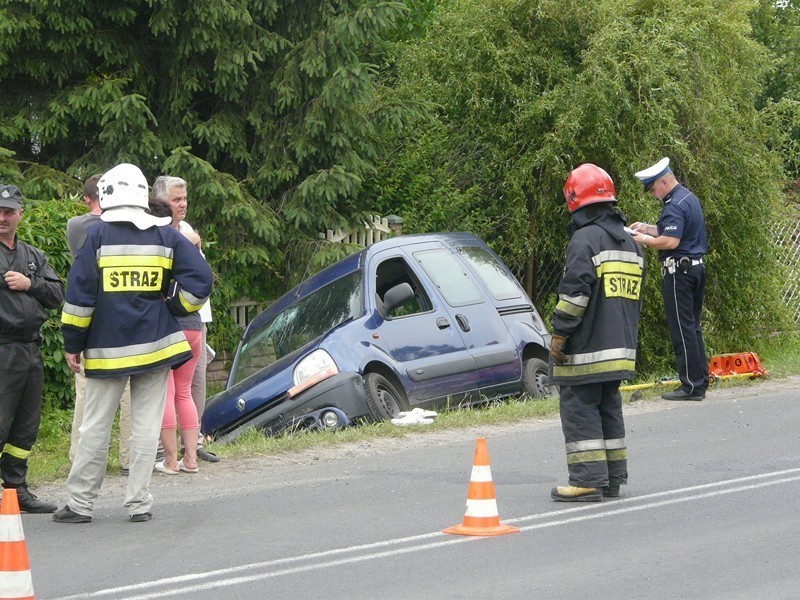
(449,277)
(491,273)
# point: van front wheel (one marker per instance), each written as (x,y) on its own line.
(535,379)
(384,402)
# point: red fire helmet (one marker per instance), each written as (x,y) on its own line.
(588,184)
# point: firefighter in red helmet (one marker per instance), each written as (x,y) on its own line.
(594,336)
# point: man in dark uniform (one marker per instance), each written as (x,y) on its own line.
(680,238)
(595,332)
(28,286)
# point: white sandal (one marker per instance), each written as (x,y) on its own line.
(185,469)
(162,468)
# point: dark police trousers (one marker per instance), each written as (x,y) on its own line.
(683,291)
(22,371)
(594,434)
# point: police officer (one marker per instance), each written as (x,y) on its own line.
(595,332)
(680,238)
(28,286)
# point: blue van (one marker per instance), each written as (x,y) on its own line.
(430,320)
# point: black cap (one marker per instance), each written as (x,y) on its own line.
(10,197)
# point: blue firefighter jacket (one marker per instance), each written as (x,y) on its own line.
(599,300)
(117,310)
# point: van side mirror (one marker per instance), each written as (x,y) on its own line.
(396,296)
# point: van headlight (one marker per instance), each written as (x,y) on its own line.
(330,419)
(315,367)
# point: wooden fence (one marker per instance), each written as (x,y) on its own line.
(245,310)
(379,228)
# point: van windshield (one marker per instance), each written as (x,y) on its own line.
(301,323)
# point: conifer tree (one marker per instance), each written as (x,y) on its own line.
(263,106)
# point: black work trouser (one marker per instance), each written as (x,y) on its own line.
(594,434)
(22,371)
(683,303)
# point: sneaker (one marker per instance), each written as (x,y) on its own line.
(611,491)
(141,517)
(124,471)
(67,515)
(29,503)
(204,454)
(571,493)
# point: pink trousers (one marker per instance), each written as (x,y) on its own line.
(179,389)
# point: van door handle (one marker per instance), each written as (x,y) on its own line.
(442,323)
(463,322)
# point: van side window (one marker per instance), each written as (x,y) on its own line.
(449,276)
(393,272)
(490,272)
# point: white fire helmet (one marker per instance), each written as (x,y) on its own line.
(124,185)
(124,198)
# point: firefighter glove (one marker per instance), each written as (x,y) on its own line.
(557,343)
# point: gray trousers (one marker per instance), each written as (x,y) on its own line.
(124,420)
(148,396)
(199,384)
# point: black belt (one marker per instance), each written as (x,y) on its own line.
(670,261)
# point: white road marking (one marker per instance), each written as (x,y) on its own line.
(220,578)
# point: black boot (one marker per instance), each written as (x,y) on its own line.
(29,503)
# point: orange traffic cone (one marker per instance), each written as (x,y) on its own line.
(15,572)
(481,517)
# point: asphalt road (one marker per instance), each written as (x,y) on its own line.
(711,511)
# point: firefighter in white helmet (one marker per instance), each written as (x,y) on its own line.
(131,273)
(594,327)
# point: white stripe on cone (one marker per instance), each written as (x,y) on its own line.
(481,508)
(11,529)
(481,473)
(16,584)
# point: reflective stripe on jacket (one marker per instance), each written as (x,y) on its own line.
(116,311)
(599,300)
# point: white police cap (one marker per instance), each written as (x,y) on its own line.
(649,175)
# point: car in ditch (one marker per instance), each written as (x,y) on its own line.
(431,320)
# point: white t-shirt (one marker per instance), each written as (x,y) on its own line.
(205,310)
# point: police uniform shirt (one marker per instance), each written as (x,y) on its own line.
(681,217)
